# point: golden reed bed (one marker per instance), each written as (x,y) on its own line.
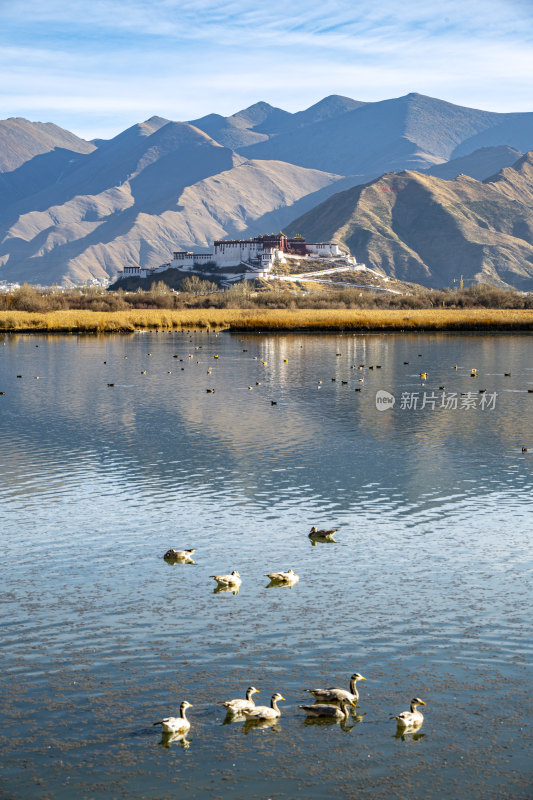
(267,319)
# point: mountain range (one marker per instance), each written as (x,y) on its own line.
(72,210)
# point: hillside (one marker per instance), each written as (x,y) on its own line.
(411,132)
(22,140)
(163,205)
(72,210)
(423,229)
(480,164)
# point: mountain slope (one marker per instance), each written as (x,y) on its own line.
(70,210)
(422,229)
(144,219)
(480,164)
(411,132)
(260,122)
(95,208)
(22,140)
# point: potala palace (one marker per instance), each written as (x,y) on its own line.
(255,257)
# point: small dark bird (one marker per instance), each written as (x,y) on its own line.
(273,403)
(322,534)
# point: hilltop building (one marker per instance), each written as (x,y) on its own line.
(255,256)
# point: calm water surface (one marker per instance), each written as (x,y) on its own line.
(427,592)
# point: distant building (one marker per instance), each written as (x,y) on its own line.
(257,255)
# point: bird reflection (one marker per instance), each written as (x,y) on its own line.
(346,724)
(168,738)
(279,584)
(229,718)
(318,539)
(226,589)
(409,734)
(259,724)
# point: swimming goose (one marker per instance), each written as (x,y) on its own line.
(283,577)
(264,712)
(323,534)
(333,695)
(232,580)
(412,718)
(239,706)
(176,724)
(178,555)
(331,712)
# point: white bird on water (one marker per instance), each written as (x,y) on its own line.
(265,712)
(239,706)
(333,695)
(176,724)
(412,718)
(289,577)
(233,580)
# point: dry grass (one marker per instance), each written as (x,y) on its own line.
(268,319)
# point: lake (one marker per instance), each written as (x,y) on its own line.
(427,591)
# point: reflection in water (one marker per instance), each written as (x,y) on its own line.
(434,507)
(409,734)
(226,589)
(169,738)
(261,724)
(235,717)
(346,724)
(325,540)
(280,584)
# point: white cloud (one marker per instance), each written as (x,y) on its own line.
(85,64)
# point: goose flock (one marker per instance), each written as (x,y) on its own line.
(332,703)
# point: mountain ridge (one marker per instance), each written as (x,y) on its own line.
(432,230)
(71,209)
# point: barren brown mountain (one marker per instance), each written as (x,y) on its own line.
(424,229)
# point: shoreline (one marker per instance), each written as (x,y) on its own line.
(270,319)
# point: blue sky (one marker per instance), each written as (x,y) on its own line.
(98,66)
